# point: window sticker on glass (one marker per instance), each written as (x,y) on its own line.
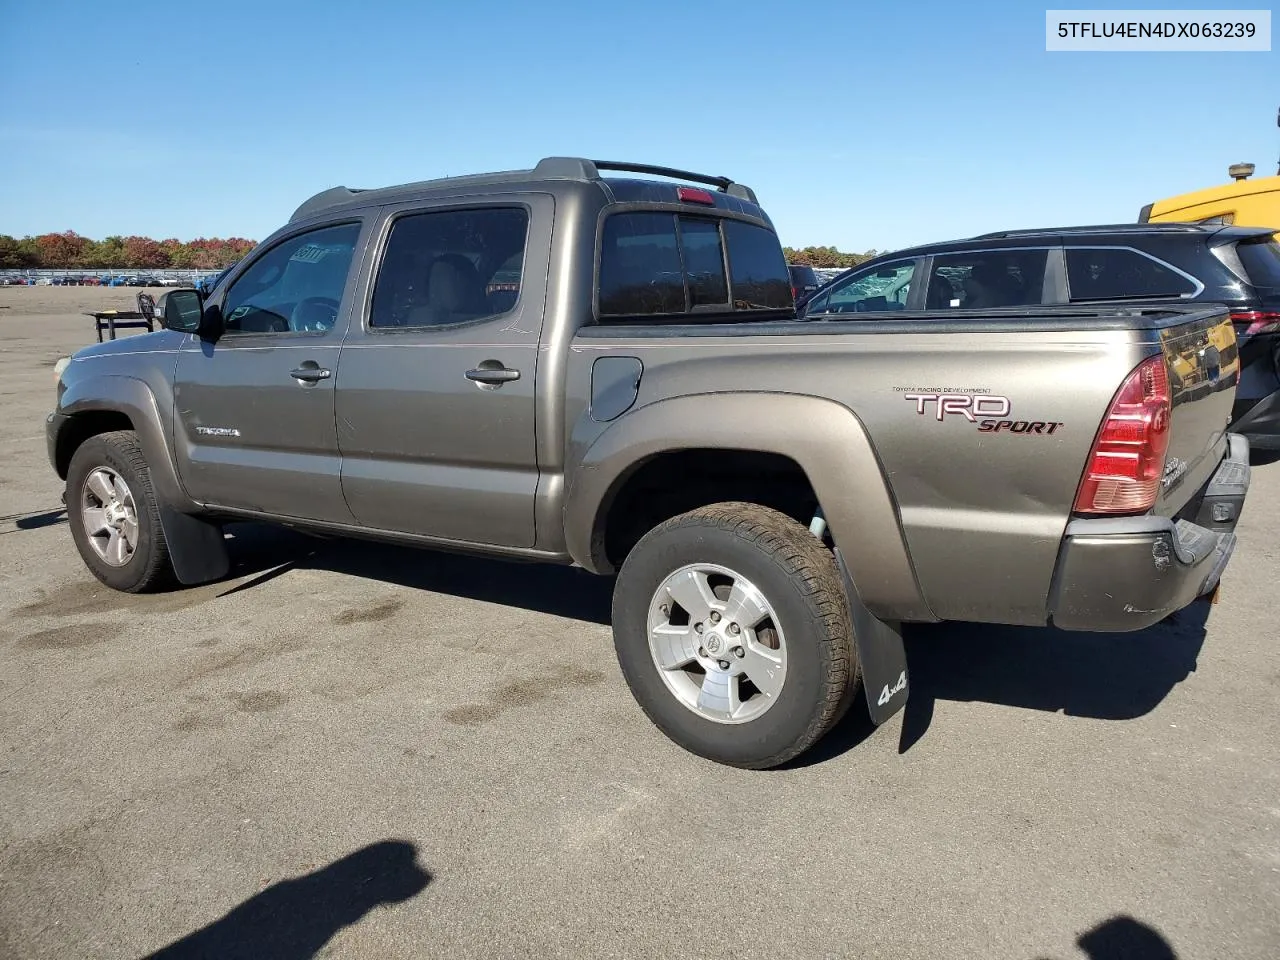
(311,253)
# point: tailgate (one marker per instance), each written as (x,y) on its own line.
(1203,361)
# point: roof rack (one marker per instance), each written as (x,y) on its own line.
(548,168)
(1094,228)
(578,168)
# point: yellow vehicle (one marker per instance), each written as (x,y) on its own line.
(1245,202)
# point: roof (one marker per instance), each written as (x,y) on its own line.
(549,168)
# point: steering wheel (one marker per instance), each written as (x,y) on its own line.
(314,313)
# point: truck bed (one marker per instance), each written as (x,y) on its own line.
(981,425)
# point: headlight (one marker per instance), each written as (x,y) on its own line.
(59,367)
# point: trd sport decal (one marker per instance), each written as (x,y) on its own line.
(991,414)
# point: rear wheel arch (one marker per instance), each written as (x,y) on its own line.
(823,441)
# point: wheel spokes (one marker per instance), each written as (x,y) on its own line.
(130,531)
(100,486)
(95,520)
(691,590)
(674,646)
(746,605)
(117,550)
(764,669)
(719,694)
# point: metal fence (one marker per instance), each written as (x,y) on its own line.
(105,276)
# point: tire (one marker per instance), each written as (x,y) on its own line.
(797,579)
(146,566)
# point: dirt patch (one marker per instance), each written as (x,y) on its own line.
(260,701)
(195,722)
(521,693)
(370,612)
(223,660)
(70,637)
(90,596)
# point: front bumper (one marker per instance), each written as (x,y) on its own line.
(1126,573)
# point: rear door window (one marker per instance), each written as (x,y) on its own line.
(445,267)
(1115,273)
(1262,262)
(666,264)
(987,278)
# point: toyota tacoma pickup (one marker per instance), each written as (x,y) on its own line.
(598,364)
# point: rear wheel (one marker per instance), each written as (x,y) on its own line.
(732,631)
(113,514)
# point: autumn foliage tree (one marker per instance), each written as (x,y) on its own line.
(69,250)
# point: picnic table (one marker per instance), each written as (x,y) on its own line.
(144,316)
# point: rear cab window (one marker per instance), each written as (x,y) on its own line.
(688,267)
(1117,273)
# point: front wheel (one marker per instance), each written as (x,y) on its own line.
(732,631)
(113,514)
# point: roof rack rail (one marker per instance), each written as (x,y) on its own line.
(580,168)
(1139,227)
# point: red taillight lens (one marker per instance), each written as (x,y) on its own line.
(1256,321)
(1127,460)
(694,195)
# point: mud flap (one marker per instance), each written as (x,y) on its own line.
(881,653)
(197,549)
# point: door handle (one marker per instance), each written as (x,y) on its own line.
(493,373)
(312,374)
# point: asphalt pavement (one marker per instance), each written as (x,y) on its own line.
(347,750)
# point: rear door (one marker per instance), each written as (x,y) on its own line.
(253,415)
(436,388)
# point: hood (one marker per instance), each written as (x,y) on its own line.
(160,340)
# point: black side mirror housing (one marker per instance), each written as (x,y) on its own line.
(185,311)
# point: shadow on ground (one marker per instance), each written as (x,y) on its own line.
(263,553)
(1100,675)
(1124,938)
(1105,676)
(33,521)
(294,919)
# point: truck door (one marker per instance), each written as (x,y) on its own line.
(436,388)
(253,416)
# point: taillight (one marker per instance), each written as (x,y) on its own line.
(1256,321)
(1127,460)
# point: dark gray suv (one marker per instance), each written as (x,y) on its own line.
(1139,263)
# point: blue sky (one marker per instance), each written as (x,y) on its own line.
(858,125)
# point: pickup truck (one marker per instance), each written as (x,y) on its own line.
(582,363)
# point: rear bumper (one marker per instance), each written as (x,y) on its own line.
(1127,573)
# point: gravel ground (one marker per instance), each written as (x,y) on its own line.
(354,751)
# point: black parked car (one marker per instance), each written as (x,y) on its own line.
(803,280)
(1140,263)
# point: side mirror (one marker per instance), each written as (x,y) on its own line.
(184,311)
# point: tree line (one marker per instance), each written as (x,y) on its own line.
(826,257)
(71,251)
